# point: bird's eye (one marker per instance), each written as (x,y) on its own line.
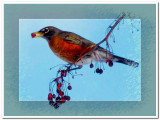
(46,30)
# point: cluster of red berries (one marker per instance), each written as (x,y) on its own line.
(99,70)
(60,97)
(58,100)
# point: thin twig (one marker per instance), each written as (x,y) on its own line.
(111,30)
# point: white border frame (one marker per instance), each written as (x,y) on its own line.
(75,2)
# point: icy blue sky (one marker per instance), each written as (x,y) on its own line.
(117,83)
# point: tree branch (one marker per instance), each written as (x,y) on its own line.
(91,48)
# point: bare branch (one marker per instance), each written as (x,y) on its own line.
(112,28)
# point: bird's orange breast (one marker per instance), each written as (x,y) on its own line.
(65,50)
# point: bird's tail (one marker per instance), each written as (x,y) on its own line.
(124,61)
(105,55)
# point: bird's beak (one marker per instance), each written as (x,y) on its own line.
(37,34)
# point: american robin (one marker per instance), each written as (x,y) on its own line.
(70,47)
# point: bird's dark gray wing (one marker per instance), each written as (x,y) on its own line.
(75,39)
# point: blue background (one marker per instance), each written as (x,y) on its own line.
(119,83)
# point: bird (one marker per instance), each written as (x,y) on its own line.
(70,47)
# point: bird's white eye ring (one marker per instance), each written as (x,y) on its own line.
(46,30)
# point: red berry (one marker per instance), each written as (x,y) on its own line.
(91,65)
(100,71)
(97,70)
(69,87)
(107,60)
(59,85)
(67,97)
(63,100)
(50,97)
(61,93)
(33,35)
(110,63)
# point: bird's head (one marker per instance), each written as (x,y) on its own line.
(47,33)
